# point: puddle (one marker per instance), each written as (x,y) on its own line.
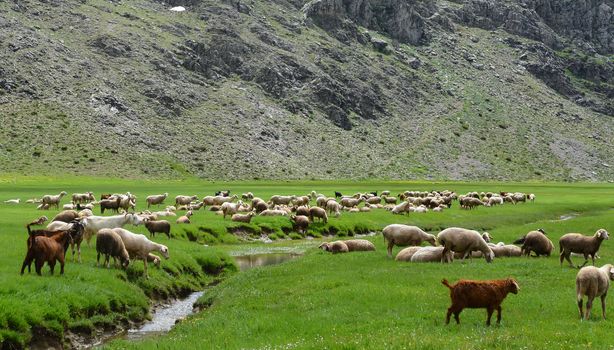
(250,261)
(567,217)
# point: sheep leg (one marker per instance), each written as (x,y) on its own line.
(38,264)
(603,305)
(51,264)
(568,258)
(580,307)
(97,259)
(390,246)
(456,314)
(448,315)
(499,314)
(589,305)
(78,252)
(444,257)
(61,258)
(145,267)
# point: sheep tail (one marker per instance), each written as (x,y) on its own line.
(29,231)
(445,283)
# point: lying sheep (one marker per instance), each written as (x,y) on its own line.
(404,235)
(110,244)
(185,219)
(479,294)
(334,247)
(161,226)
(593,282)
(273,212)
(406,253)
(456,239)
(428,254)
(577,243)
(535,241)
(12,201)
(243,217)
(507,250)
(359,245)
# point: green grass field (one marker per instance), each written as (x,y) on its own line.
(356,300)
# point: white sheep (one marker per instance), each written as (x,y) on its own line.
(406,253)
(593,282)
(139,246)
(230,208)
(12,201)
(184,200)
(428,254)
(185,219)
(156,199)
(93,224)
(53,200)
(403,235)
(455,239)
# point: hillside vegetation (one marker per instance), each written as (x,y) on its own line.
(466,89)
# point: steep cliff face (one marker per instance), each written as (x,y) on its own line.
(466,89)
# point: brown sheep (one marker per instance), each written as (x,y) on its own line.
(110,244)
(66,216)
(334,247)
(243,217)
(536,241)
(112,204)
(302,210)
(161,226)
(577,243)
(43,249)
(359,245)
(300,223)
(479,294)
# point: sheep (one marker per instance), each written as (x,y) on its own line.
(428,254)
(537,242)
(127,201)
(230,209)
(43,249)
(219,200)
(43,206)
(531,197)
(506,250)
(334,247)
(351,202)
(243,217)
(260,206)
(40,221)
(185,219)
(53,200)
(157,214)
(34,200)
(401,208)
(333,208)
(374,200)
(577,243)
(359,245)
(277,199)
(406,253)
(184,200)
(479,294)
(111,203)
(224,193)
(93,224)
(110,244)
(593,282)
(83,197)
(302,210)
(161,226)
(139,246)
(389,200)
(456,239)
(421,209)
(247,196)
(66,216)
(302,200)
(403,235)
(300,223)
(338,194)
(156,199)
(12,201)
(317,212)
(486,237)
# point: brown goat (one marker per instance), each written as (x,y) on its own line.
(112,204)
(479,294)
(43,249)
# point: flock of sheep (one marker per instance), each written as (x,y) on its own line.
(77,221)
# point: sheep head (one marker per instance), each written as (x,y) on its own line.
(490,256)
(513,286)
(325,246)
(432,240)
(164,250)
(602,234)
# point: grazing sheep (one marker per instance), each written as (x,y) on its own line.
(350,202)
(401,208)
(577,243)
(456,239)
(112,203)
(531,197)
(83,197)
(406,253)
(93,224)
(302,210)
(243,217)
(428,254)
(404,235)
(43,249)
(12,201)
(535,241)
(110,244)
(185,219)
(230,209)
(317,212)
(53,200)
(219,200)
(359,245)
(247,196)
(161,226)
(66,216)
(184,200)
(333,208)
(479,294)
(334,247)
(43,206)
(277,199)
(156,199)
(300,223)
(139,246)
(593,282)
(302,200)
(260,206)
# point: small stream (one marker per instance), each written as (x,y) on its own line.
(166,316)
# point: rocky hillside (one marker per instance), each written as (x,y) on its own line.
(244,89)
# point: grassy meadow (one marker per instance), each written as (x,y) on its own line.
(356,300)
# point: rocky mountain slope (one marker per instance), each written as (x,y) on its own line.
(236,89)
